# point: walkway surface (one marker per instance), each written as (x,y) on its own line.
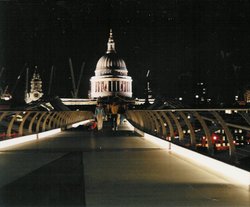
(82,168)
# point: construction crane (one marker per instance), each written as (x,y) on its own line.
(6,95)
(1,73)
(148,91)
(26,95)
(18,78)
(50,80)
(75,88)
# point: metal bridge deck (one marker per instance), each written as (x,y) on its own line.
(82,168)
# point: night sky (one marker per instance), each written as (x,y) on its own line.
(181,42)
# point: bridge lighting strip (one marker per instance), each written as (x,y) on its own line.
(232,174)
(82,123)
(129,125)
(16,141)
(28,138)
(48,133)
(20,140)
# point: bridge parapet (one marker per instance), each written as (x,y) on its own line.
(205,130)
(20,123)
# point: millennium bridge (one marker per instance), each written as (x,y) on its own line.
(170,157)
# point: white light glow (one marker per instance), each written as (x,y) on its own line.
(81,123)
(15,141)
(48,133)
(129,125)
(228,111)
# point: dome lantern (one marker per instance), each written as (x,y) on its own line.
(111,43)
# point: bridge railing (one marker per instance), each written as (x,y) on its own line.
(197,129)
(21,123)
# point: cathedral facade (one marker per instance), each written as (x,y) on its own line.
(111,75)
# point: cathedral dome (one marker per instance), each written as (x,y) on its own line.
(111,63)
(111,75)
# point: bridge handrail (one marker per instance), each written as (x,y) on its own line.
(21,123)
(166,121)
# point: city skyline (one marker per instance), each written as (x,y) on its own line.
(180,42)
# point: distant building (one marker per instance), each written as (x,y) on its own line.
(111,75)
(200,95)
(36,91)
(244,98)
(247,96)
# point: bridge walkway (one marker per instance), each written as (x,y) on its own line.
(83,168)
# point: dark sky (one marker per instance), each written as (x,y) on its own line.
(181,42)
